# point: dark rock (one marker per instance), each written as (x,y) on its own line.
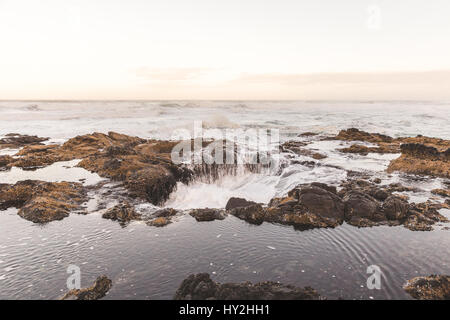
(201,287)
(360,205)
(208,214)
(98,290)
(434,287)
(15,140)
(166,213)
(238,203)
(395,208)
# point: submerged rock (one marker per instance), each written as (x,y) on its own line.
(208,214)
(159,222)
(97,291)
(123,212)
(201,287)
(434,287)
(42,202)
(162,217)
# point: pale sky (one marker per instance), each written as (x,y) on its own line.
(233,49)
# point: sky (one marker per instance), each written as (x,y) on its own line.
(234,49)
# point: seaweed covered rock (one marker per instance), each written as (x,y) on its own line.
(97,291)
(423,160)
(42,202)
(434,287)
(201,287)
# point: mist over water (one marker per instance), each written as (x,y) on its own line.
(150,263)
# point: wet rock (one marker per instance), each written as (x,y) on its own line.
(237,203)
(208,214)
(422,216)
(123,212)
(364,151)
(254,214)
(441,192)
(361,205)
(154,183)
(97,291)
(201,287)
(395,208)
(15,140)
(159,222)
(434,287)
(53,201)
(307,206)
(422,160)
(296,147)
(42,202)
(162,217)
(5,161)
(354,134)
(166,213)
(308,134)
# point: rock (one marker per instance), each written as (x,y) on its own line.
(97,291)
(208,214)
(5,161)
(123,212)
(422,160)
(201,287)
(254,214)
(53,201)
(395,208)
(296,147)
(434,287)
(307,134)
(159,222)
(308,206)
(363,150)
(238,203)
(354,134)
(42,202)
(166,213)
(422,216)
(15,141)
(441,192)
(361,205)
(154,183)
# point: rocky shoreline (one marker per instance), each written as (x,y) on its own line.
(145,170)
